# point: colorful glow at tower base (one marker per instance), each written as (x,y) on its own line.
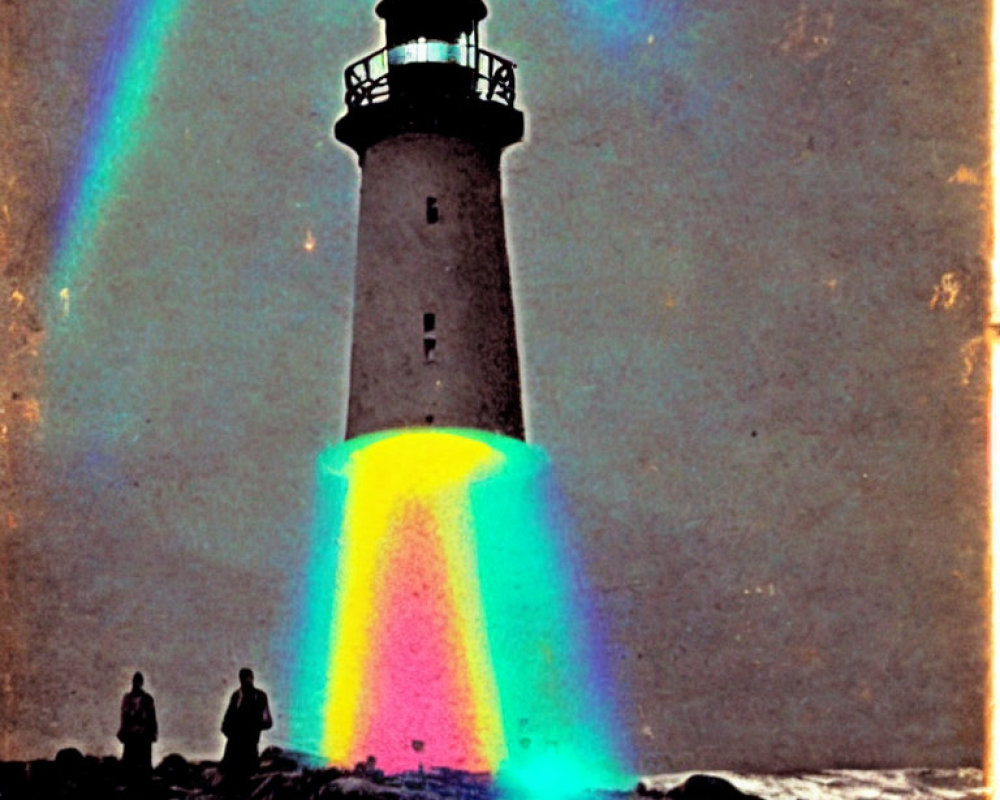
(443,622)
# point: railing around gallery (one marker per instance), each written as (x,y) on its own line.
(367,80)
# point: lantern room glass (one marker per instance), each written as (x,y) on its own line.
(434,51)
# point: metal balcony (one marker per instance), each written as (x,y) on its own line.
(491,78)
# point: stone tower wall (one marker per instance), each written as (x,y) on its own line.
(434,338)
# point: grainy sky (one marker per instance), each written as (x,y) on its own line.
(746,240)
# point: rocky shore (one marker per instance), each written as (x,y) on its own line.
(282,776)
(285,775)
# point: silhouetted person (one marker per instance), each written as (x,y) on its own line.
(137,731)
(247,715)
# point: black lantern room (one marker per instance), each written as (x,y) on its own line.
(431,76)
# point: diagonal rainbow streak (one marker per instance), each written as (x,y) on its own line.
(114,129)
(442,624)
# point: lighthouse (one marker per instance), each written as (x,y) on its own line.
(429,115)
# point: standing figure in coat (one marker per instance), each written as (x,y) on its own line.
(246,716)
(137,731)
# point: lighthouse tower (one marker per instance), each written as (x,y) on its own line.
(433,335)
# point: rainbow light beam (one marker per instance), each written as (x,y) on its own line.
(443,623)
(120,92)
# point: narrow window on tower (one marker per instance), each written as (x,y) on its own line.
(430,338)
(433,215)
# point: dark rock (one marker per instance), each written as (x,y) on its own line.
(369,769)
(209,775)
(279,786)
(42,777)
(274,759)
(316,779)
(13,778)
(175,770)
(645,790)
(69,760)
(707,787)
(72,775)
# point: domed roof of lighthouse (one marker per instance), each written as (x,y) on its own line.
(474,9)
(443,20)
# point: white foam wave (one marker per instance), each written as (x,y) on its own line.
(918,784)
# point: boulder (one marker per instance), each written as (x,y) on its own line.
(280,786)
(174,770)
(274,759)
(69,761)
(707,787)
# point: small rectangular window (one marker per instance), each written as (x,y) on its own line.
(433,215)
(430,338)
